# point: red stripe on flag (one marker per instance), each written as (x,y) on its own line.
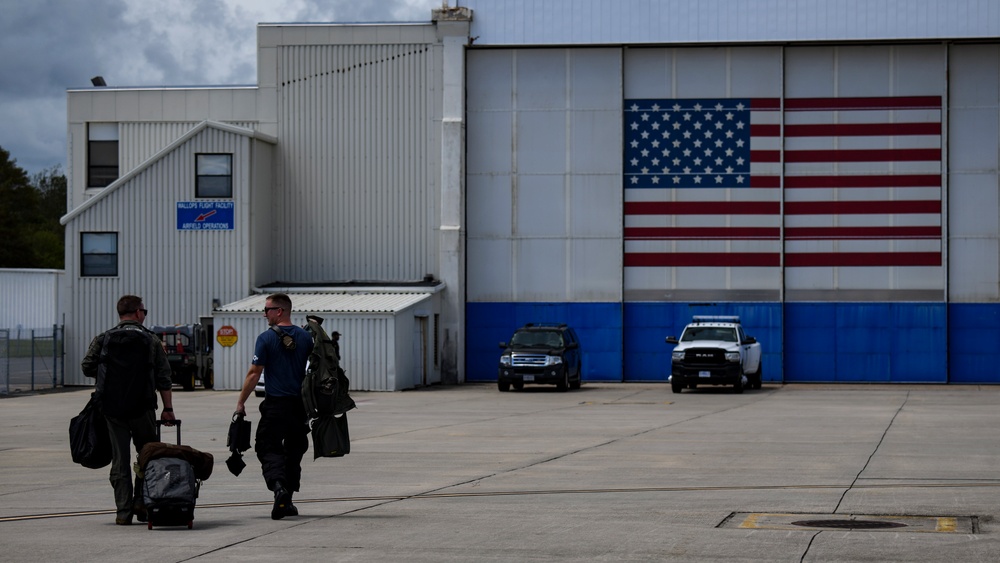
(702,233)
(875,181)
(863,259)
(765,181)
(702,208)
(765,130)
(861,207)
(867,233)
(859,129)
(832,104)
(763,104)
(881,155)
(715,259)
(765,156)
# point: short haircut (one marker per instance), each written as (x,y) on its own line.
(128,304)
(281,300)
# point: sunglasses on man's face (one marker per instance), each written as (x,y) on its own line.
(269,309)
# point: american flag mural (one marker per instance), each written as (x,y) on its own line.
(703,182)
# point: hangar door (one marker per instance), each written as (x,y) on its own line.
(801,186)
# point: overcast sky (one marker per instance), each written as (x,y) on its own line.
(49,46)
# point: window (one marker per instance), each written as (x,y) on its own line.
(102,154)
(99,254)
(214,175)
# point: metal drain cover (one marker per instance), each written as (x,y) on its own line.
(859,522)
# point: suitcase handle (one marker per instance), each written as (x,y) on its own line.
(176,423)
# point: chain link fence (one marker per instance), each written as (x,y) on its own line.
(32,359)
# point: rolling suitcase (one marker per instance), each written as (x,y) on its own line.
(170,487)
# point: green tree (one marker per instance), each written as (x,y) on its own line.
(29,216)
(49,237)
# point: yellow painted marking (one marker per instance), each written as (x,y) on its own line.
(751,521)
(947,524)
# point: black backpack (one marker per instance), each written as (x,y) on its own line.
(125,372)
(324,389)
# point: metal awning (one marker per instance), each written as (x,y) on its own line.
(344,302)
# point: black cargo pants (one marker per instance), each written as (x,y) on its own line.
(282,440)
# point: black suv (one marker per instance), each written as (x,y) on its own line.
(541,353)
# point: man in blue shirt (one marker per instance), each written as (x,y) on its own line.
(281,352)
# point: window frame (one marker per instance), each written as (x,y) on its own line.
(200,190)
(102,271)
(103,159)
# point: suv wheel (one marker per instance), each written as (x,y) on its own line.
(503,385)
(676,387)
(518,385)
(564,384)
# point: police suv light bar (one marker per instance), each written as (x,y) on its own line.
(715,319)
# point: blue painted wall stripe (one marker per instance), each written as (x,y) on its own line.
(801,342)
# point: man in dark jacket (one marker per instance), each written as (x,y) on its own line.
(134,369)
(280,353)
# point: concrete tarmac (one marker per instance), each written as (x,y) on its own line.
(610,472)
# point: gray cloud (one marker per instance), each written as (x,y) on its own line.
(50,46)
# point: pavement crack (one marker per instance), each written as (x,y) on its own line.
(857,477)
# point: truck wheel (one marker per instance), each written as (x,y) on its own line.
(208,382)
(676,387)
(187,381)
(758,378)
(503,385)
(738,386)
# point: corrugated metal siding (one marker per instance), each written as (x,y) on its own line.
(355,181)
(140,140)
(634,22)
(31,298)
(178,273)
(375,335)
(366,348)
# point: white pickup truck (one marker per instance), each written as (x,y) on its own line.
(714,350)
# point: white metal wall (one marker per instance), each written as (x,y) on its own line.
(633,22)
(31,298)
(150,119)
(178,273)
(356,183)
(366,348)
(973,177)
(544,175)
(139,140)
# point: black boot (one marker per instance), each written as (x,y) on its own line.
(282,500)
(291,510)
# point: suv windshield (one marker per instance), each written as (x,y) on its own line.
(725,334)
(536,338)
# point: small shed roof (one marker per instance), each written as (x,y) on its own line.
(344,302)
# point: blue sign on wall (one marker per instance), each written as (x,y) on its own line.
(205,215)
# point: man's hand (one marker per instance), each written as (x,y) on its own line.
(241,408)
(167,416)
